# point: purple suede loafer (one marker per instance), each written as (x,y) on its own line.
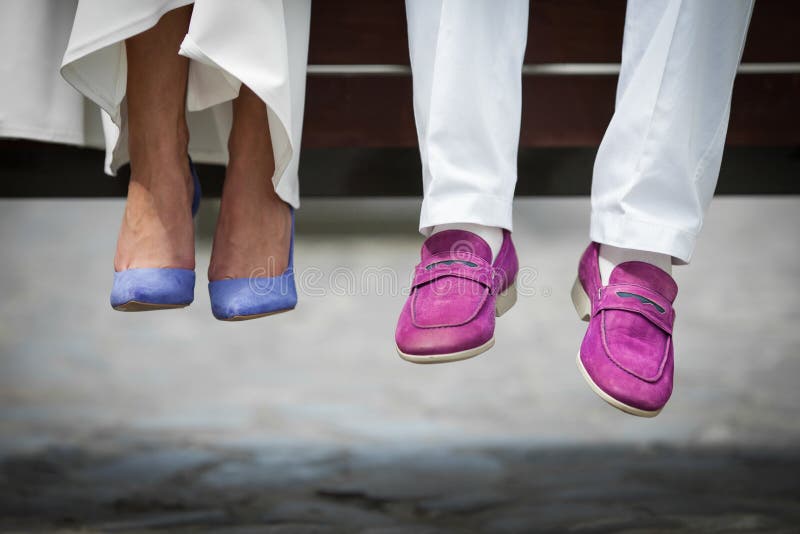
(456,293)
(627,354)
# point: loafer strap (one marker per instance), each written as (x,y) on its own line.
(637,299)
(459,265)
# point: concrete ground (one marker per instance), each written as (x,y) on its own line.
(309,422)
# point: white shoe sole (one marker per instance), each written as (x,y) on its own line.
(611,400)
(584,308)
(581,301)
(504,302)
(444,358)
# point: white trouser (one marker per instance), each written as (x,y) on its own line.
(466,58)
(658,163)
(261,43)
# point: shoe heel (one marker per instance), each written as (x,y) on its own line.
(505,300)
(581,301)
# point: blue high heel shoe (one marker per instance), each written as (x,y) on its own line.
(149,289)
(240,299)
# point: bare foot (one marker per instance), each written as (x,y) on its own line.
(157,228)
(253,231)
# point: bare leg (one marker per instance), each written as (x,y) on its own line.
(254,227)
(157,229)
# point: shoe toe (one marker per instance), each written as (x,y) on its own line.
(251,297)
(430,341)
(626,388)
(168,287)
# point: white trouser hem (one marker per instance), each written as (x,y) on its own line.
(624,231)
(466,208)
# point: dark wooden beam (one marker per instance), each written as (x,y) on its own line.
(374,31)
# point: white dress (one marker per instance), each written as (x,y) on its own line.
(261,43)
(35,102)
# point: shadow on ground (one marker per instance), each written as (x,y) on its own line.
(310,488)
